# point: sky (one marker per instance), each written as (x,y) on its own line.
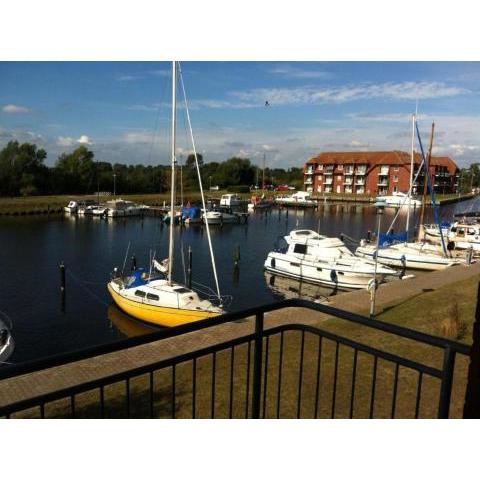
(122,110)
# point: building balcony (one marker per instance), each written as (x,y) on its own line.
(382,183)
(328,181)
(309,171)
(308,181)
(348,181)
(361,171)
(359,182)
(383,171)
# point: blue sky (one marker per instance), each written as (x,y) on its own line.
(122,108)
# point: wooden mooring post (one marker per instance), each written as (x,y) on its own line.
(189,269)
(62,286)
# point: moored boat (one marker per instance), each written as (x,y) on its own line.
(314,258)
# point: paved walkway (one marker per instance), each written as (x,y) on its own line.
(33,384)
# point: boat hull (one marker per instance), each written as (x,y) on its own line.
(163,316)
(322,274)
(416,262)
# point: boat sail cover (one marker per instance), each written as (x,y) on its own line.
(387,239)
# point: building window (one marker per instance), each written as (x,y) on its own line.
(395,178)
(340,167)
(395,168)
(320,167)
(339,178)
(319,189)
(395,189)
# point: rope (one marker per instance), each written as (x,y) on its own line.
(80,283)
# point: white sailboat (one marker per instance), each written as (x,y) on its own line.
(314,258)
(163,301)
(415,255)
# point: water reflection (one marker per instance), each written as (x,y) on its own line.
(128,325)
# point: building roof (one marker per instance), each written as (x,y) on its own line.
(394,157)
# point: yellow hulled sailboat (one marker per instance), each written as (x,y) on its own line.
(162,301)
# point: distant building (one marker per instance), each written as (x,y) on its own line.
(375,173)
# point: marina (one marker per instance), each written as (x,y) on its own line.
(90,246)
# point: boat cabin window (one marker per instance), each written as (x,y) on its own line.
(300,248)
(471,231)
(182,290)
(140,293)
(152,296)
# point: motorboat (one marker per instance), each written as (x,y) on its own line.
(230,200)
(216,217)
(122,208)
(399,199)
(87,209)
(163,301)
(71,207)
(100,211)
(299,199)
(259,203)
(315,258)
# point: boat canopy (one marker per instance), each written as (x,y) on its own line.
(136,279)
(387,239)
(191,212)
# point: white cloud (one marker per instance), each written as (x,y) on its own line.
(293,72)
(129,78)
(84,140)
(65,141)
(317,95)
(15,109)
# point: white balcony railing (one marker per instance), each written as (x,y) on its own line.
(382,183)
(361,170)
(308,181)
(328,181)
(348,181)
(359,181)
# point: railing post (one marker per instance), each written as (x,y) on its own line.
(471,407)
(257,365)
(447,380)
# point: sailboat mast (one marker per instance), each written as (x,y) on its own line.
(172,196)
(411,175)
(425,184)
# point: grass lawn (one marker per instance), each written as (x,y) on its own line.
(333,395)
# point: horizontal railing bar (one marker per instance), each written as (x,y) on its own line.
(64,358)
(121,376)
(434,372)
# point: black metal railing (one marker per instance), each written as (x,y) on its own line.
(286,371)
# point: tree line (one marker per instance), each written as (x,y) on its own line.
(23,173)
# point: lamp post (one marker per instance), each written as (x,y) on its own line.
(379,206)
(114,184)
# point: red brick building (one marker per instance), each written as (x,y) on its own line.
(375,173)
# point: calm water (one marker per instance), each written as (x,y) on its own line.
(31,249)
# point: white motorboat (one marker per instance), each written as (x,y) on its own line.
(299,199)
(230,200)
(87,209)
(399,199)
(215,217)
(122,208)
(71,207)
(314,258)
(100,211)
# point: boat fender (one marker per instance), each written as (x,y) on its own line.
(372,285)
(272,263)
(404,266)
(333,276)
